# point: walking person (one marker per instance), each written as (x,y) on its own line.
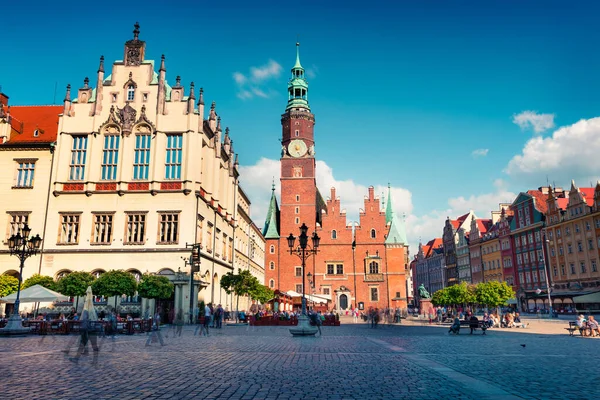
(179,323)
(156,330)
(87,329)
(207,318)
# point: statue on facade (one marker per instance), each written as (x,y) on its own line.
(423,293)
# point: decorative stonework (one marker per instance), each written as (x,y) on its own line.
(138,186)
(73,187)
(127,116)
(107,186)
(170,186)
(134,49)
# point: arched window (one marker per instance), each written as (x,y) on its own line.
(373,234)
(130,93)
(271,265)
(272,283)
(334,234)
(373,267)
(272,249)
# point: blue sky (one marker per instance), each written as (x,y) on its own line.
(435,97)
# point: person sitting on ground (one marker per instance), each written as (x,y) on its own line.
(593,326)
(455,328)
(517,322)
(487,320)
(582,325)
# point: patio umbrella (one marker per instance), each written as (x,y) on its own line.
(34,294)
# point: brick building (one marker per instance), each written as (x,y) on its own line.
(365,263)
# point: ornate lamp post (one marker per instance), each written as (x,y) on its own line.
(22,247)
(303,250)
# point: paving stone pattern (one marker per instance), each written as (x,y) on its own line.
(347,362)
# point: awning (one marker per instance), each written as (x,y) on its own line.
(309,297)
(34,294)
(587,298)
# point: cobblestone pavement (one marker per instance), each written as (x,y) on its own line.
(347,362)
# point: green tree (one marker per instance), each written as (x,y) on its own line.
(42,280)
(155,287)
(242,284)
(75,284)
(494,293)
(115,283)
(261,293)
(8,285)
(441,298)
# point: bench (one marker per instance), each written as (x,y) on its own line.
(572,328)
(480,325)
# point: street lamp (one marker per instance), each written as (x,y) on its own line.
(23,247)
(303,250)
(542,260)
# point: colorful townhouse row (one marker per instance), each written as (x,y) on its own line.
(545,238)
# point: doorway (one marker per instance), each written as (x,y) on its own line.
(343,302)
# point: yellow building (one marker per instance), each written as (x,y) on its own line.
(491,255)
(138,175)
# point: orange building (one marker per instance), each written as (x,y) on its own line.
(356,265)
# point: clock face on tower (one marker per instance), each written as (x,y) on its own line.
(297,148)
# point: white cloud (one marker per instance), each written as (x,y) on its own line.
(270,70)
(312,71)
(256,181)
(532,120)
(479,153)
(570,153)
(253,84)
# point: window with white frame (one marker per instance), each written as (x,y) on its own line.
(136,228)
(130,93)
(168,227)
(110,157)
(272,249)
(272,265)
(78,158)
(173,157)
(25,173)
(69,228)
(339,269)
(330,269)
(103,228)
(373,234)
(141,157)
(17,221)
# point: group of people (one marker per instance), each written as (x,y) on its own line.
(375,315)
(588,326)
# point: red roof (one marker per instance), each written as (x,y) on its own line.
(483,225)
(539,200)
(25,120)
(456,223)
(588,195)
(562,203)
(431,245)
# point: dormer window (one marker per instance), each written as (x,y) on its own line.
(130,93)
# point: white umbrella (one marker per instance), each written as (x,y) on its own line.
(88,305)
(34,294)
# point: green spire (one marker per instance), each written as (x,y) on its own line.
(298,65)
(270,230)
(389,213)
(397,232)
(297,86)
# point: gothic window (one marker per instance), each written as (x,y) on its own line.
(130,93)
(272,265)
(297,197)
(272,249)
(272,283)
(297,210)
(334,234)
(110,156)
(373,267)
(173,157)
(78,157)
(141,157)
(297,133)
(373,234)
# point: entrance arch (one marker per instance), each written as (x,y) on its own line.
(343,302)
